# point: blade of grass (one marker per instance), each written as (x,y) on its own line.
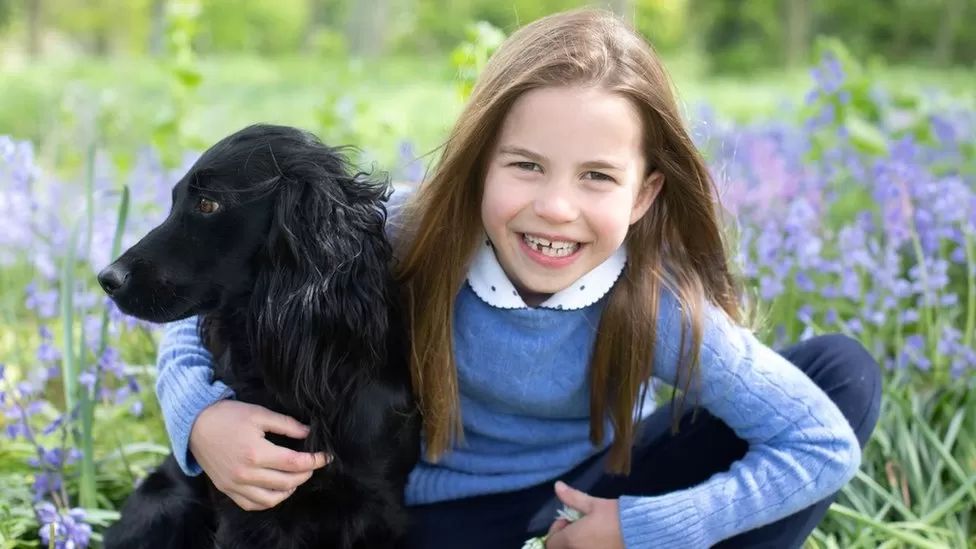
(888,529)
(950,502)
(69,370)
(893,499)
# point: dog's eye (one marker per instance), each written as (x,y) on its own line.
(207,206)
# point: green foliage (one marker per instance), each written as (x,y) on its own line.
(6,12)
(267,28)
(740,34)
(17,521)
(664,23)
(917,483)
(101,27)
(169,134)
(471,56)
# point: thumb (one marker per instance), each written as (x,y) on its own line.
(273,422)
(572,497)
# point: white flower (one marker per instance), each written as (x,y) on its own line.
(568,513)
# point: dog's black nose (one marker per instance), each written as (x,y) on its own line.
(113,278)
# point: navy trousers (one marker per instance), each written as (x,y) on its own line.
(663,462)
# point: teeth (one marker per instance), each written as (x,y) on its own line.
(551,248)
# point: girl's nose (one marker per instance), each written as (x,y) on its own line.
(555,203)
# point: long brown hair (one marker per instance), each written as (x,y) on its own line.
(677,244)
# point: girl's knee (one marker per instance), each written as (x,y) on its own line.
(852,378)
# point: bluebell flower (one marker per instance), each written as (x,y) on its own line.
(62,530)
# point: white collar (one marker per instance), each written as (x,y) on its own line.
(490,283)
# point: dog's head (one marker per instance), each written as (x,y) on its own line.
(267,210)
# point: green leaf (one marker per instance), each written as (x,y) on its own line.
(866,137)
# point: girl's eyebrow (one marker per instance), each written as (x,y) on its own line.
(519,151)
(589,164)
(600,165)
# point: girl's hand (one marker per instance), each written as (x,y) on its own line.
(599,527)
(227,440)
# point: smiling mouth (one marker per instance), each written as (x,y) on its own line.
(551,248)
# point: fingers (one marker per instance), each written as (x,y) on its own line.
(557,525)
(264,499)
(273,422)
(557,540)
(276,481)
(574,498)
(290,461)
(251,498)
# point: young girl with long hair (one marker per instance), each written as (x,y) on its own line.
(564,256)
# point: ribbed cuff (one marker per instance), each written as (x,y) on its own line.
(179,414)
(185,386)
(670,520)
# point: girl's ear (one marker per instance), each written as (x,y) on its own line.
(645,196)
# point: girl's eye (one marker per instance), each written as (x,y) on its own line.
(207,206)
(528,166)
(597,176)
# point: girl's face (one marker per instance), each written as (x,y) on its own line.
(566,179)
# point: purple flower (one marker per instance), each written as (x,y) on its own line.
(411,170)
(46,483)
(44,303)
(62,530)
(770,287)
(53,457)
(805,314)
(17,429)
(87,378)
(110,362)
(53,426)
(804,282)
(46,512)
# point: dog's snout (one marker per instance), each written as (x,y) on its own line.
(113,278)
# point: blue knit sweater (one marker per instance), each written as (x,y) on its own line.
(525,409)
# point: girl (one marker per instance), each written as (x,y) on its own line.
(565,251)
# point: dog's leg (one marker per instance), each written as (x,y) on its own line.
(169,510)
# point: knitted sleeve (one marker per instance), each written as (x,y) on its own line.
(801,448)
(185,386)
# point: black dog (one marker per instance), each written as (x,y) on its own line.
(282,253)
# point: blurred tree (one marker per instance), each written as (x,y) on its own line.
(664,23)
(157,27)
(740,35)
(317,19)
(6,12)
(952,17)
(33,28)
(104,26)
(269,27)
(366,29)
(736,35)
(798,16)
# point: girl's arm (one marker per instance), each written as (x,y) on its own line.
(227,437)
(185,386)
(801,448)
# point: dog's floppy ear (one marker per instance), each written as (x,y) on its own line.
(324,293)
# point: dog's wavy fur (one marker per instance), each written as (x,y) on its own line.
(291,279)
